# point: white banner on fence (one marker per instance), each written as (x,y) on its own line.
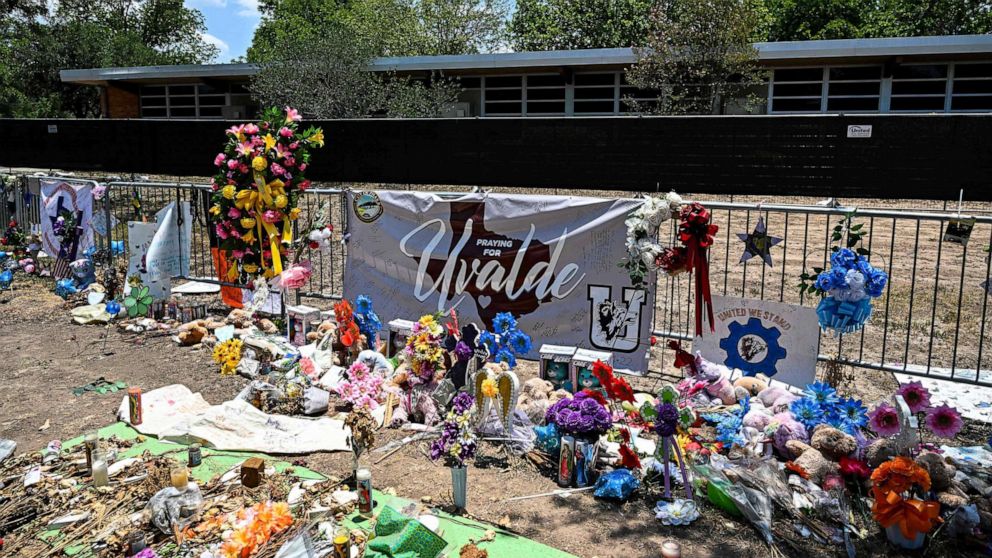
(776,339)
(169,252)
(58,196)
(549,260)
(139,240)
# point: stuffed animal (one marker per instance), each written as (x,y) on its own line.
(717,379)
(753,385)
(83,272)
(192,335)
(239,318)
(587,380)
(27,264)
(376,361)
(267,326)
(833,443)
(534,399)
(559,376)
(812,461)
(880,451)
(787,429)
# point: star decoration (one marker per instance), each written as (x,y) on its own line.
(758,243)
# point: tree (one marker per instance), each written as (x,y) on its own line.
(39,42)
(699,56)
(327,76)
(461,26)
(803,20)
(574,24)
(911,18)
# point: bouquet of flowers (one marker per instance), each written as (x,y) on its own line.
(252,528)
(458,441)
(362,388)
(821,404)
(424,351)
(228,355)
(506,341)
(643,249)
(348,331)
(943,421)
(895,508)
(850,284)
(256,190)
(582,416)
(14,238)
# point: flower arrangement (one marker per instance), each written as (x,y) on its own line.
(677,512)
(943,421)
(348,332)
(619,392)
(506,342)
(891,482)
(14,238)
(362,388)
(850,284)
(643,249)
(582,416)
(253,527)
(458,442)
(228,355)
(260,174)
(423,350)
(368,321)
(821,404)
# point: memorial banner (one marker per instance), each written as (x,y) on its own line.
(551,261)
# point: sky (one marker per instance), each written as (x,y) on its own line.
(231,24)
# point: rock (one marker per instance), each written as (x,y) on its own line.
(212,323)
(833,443)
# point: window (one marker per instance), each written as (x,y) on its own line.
(854,88)
(919,87)
(188,101)
(972,87)
(503,95)
(546,95)
(796,90)
(595,93)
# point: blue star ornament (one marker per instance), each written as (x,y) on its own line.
(758,243)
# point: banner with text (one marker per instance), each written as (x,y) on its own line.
(551,261)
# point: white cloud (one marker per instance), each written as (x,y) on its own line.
(247,8)
(223,47)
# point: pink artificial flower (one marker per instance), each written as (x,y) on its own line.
(944,421)
(303,185)
(232,164)
(257,141)
(238,254)
(221,231)
(250,129)
(244,149)
(293,115)
(277,169)
(916,396)
(308,367)
(884,420)
(293,277)
(285,132)
(303,167)
(294,145)
(235,130)
(235,232)
(243,168)
(289,162)
(219,159)
(282,151)
(271,216)
(234,213)
(215,186)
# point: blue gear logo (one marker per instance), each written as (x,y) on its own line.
(753,348)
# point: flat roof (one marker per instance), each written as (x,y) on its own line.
(786,51)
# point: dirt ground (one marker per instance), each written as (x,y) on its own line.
(43,356)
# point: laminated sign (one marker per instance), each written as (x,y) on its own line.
(551,261)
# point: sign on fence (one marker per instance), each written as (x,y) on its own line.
(161,250)
(778,340)
(551,261)
(59,198)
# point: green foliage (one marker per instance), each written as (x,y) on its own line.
(574,24)
(38,41)
(699,55)
(846,232)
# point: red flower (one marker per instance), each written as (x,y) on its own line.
(854,468)
(621,390)
(314,245)
(628,458)
(654,340)
(595,395)
(625,435)
(603,373)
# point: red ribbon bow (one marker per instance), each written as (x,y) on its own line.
(696,233)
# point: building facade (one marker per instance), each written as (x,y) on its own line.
(893,75)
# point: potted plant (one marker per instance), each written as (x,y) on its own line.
(457,445)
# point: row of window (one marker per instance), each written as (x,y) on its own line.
(191,101)
(552,94)
(908,88)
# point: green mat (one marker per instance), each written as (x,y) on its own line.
(456,530)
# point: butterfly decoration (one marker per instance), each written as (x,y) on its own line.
(138,302)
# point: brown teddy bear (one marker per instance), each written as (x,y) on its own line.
(833,443)
(534,399)
(811,461)
(239,318)
(192,335)
(753,385)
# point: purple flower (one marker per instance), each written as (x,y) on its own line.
(463,402)
(668,419)
(462,351)
(917,397)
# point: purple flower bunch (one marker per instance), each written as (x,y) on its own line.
(458,442)
(463,352)
(581,415)
(668,419)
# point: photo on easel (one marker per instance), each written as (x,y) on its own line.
(959,230)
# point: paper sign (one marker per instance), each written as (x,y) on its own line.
(859,131)
(99,223)
(169,253)
(139,240)
(778,340)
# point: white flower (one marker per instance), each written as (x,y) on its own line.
(674,201)
(855,280)
(676,512)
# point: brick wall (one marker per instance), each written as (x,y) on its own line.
(120,103)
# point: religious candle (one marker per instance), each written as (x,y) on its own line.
(180,478)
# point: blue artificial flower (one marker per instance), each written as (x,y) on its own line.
(844,258)
(876,281)
(807,411)
(504,355)
(489,340)
(822,393)
(824,281)
(838,276)
(113,308)
(363,304)
(853,411)
(519,342)
(728,426)
(504,322)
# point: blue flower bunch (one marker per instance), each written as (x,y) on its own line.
(821,404)
(506,342)
(365,317)
(728,425)
(851,277)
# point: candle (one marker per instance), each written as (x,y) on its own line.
(342,543)
(180,478)
(671,549)
(101,476)
(90,444)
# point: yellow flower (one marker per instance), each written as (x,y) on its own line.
(248,237)
(247,222)
(270,142)
(269,273)
(229,191)
(250,268)
(281,201)
(215,210)
(489,388)
(259,164)
(295,213)
(317,138)
(276,186)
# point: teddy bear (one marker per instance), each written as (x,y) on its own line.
(880,451)
(833,443)
(326,327)
(717,381)
(191,335)
(535,399)
(239,318)
(267,326)
(752,385)
(787,429)
(777,399)
(415,401)
(812,461)
(949,491)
